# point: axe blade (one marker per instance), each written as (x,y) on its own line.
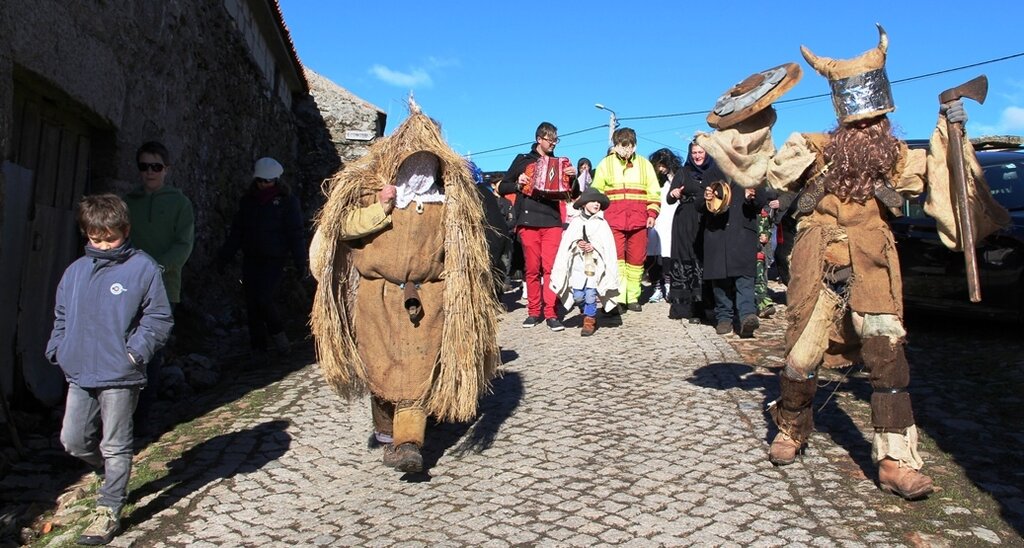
(976,89)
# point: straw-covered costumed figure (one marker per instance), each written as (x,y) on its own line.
(405,307)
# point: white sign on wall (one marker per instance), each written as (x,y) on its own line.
(359,135)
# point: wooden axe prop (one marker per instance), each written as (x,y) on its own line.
(976,89)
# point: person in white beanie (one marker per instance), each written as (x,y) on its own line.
(269,230)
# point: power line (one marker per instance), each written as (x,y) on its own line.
(820,95)
(794,100)
(577,132)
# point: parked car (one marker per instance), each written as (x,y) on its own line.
(934,278)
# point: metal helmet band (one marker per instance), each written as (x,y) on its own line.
(863,93)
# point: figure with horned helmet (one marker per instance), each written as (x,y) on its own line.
(845,293)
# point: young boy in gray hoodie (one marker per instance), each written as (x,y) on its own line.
(111,316)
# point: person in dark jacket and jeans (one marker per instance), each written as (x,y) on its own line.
(111,316)
(268,228)
(538,223)
(730,254)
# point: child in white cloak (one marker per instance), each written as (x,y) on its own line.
(585,270)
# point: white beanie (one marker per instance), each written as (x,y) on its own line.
(267,168)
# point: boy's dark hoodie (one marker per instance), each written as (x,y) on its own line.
(109,303)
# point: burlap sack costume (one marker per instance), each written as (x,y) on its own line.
(845,297)
(441,359)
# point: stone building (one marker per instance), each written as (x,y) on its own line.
(82,84)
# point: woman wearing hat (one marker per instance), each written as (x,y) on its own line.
(586,269)
(268,228)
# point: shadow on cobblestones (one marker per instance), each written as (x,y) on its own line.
(968,387)
(46,471)
(239,378)
(829,418)
(217,458)
(475,436)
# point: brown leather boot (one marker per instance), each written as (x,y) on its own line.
(784,450)
(903,481)
(589,326)
(404,458)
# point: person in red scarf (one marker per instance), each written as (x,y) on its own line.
(269,230)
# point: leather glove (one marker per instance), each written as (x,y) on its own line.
(954,111)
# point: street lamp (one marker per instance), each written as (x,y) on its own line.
(612,122)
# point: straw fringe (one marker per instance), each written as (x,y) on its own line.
(469,355)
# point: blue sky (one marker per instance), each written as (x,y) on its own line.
(491,71)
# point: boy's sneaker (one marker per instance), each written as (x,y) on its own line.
(555,325)
(657,296)
(724,328)
(531,321)
(634,307)
(101,529)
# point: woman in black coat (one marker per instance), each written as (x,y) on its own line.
(685,296)
(730,254)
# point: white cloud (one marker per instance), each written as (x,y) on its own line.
(416,78)
(1012,119)
(441,62)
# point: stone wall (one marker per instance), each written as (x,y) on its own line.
(323,117)
(182,72)
(175,71)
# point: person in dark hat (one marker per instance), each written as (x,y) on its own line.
(585,271)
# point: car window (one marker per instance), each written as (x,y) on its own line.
(1006,181)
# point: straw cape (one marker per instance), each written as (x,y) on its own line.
(469,354)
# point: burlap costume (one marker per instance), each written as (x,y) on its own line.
(845,294)
(438,361)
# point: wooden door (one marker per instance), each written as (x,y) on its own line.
(53,143)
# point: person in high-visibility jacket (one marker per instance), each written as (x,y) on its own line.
(630,182)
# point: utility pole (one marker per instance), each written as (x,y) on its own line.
(612,122)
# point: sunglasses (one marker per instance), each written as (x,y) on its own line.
(154,167)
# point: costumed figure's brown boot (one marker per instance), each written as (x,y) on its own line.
(784,450)
(410,424)
(903,480)
(893,419)
(404,458)
(589,326)
(793,415)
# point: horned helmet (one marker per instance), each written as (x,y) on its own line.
(860,86)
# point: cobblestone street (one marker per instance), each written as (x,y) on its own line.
(651,432)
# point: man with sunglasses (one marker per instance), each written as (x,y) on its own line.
(163,225)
